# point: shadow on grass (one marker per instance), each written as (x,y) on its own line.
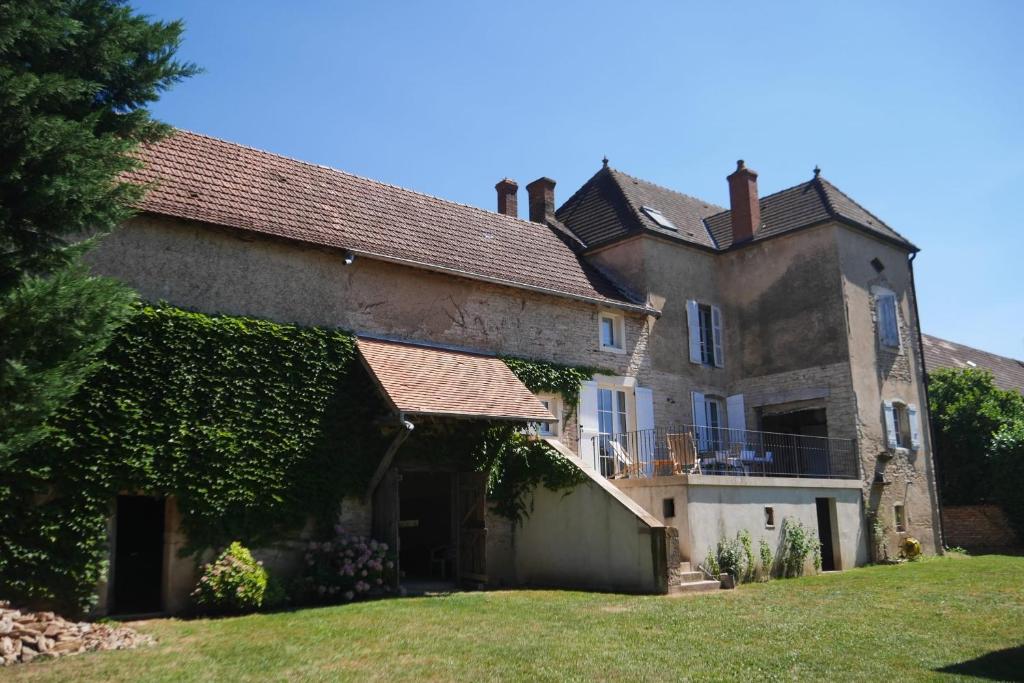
(1001,665)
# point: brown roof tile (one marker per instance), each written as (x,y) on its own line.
(423,380)
(205,179)
(940,353)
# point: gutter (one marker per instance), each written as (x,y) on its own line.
(927,406)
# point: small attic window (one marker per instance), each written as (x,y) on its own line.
(659,218)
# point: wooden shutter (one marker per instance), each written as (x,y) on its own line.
(737,415)
(587,418)
(915,427)
(890,424)
(646,440)
(700,420)
(716,333)
(693,322)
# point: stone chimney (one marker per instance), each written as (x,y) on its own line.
(508,197)
(542,199)
(743,203)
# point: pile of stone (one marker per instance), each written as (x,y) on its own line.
(25,636)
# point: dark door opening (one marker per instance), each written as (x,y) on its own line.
(824,506)
(803,451)
(138,555)
(427,546)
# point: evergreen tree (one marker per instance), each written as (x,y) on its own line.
(75,79)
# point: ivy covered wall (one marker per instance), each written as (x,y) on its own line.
(252,425)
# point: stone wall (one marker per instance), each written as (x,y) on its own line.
(978,526)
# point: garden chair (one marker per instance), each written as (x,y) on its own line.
(683,453)
(624,465)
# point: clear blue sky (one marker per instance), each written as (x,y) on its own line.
(914,108)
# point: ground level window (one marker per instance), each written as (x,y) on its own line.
(668,507)
(769,518)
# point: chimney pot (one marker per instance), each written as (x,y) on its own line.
(542,199)
(508,197)
(745,208)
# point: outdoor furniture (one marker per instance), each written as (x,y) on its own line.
(663,468)
(624,465)
(683,453)
(439,557)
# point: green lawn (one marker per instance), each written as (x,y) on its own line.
(881,623)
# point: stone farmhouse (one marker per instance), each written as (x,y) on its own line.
(760,361)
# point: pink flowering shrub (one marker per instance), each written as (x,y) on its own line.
(234,582)
(346,568)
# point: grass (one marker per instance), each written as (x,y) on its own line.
(965,615)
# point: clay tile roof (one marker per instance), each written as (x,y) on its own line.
(201,178)
(815,201)
(1008,373)
(423,380)
(610,207)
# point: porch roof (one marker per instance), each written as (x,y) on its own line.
(424,380)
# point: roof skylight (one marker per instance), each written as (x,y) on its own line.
(660,218)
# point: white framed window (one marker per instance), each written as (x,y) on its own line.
(887,319)
(554,406)
(902,425)
(709,421)
(705,331)
(611,332)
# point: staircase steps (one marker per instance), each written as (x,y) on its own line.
(690,581)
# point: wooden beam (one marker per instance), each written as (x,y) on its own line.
(389,456)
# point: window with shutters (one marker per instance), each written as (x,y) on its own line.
(887,318)
(705,332)
(902,425)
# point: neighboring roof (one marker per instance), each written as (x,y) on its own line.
(425,380)
(940,353)
(205,179)
(610,207)
(611,204)
(810,203)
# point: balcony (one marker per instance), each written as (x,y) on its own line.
(689,449)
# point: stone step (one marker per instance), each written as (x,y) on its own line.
(695,587)
(690,577)
(685,567)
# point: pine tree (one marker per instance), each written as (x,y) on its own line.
(76,77)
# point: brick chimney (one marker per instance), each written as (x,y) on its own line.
(542,199)
(508,197)
(743,203)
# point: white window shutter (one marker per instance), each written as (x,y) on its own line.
(700,420)
(716,331)
(915,427)
(890,424)
(693,322)
(737,414)
(644,409)
(586,416)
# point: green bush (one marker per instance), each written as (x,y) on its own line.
(1007,455)
(798,543)
(234,582)
(735,556)
(767,560)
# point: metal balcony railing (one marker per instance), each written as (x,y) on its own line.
(690,449)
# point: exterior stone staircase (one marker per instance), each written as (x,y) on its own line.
(686,580)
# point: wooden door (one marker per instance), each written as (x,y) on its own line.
(386,515)
(471,526)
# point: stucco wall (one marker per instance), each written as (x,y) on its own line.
(593,537)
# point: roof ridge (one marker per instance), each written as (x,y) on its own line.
(663,187)
(862,208)
(356,176)
(972,348)
(819,184)
(764,197)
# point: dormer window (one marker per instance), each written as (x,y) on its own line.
(660,218)
(611,331)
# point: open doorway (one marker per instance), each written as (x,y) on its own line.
(826,533)
(138,555)
(427,546)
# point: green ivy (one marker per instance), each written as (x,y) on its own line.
(543,376)
(251,425)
